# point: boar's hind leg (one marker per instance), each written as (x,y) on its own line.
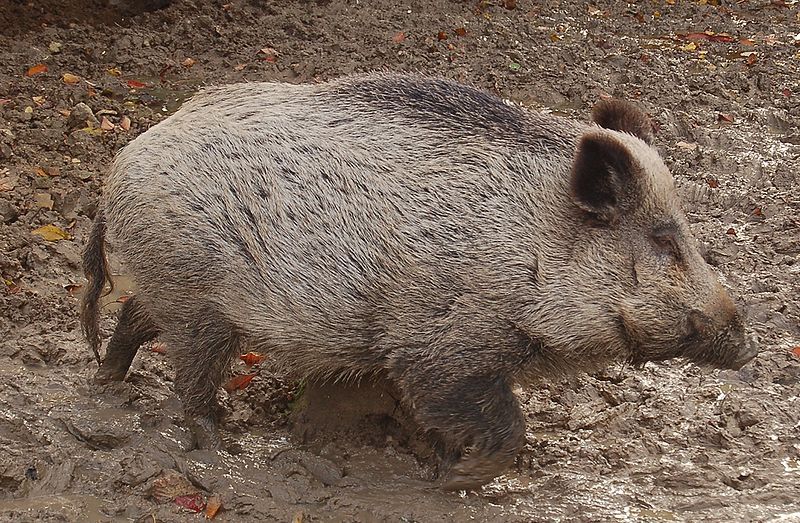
(133,328)
(477,413)
(202,360)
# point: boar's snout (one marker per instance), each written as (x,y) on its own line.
(717,335)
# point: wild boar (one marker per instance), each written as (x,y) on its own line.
(409,227)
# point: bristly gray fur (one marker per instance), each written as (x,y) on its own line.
(414,227)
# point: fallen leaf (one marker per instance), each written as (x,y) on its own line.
(28,109)
(731,231)
(54,47)
(691,46)
(159,348)
(38,100)
(758,212)
(251,358)
(114,71)
(51,233)
(796,351)
(441,36)
(787,93)
(125,123)
(239,67)
(4,101)
(36,69)
(724,117)
(212,506)
(746,42)
(194,502)
(40,172)
(460,31)
(188,62)
(64,112)
(555,37)
(751,57)
(514,66)
(73,288)
(239,382)
(135,84)
(12,287)
(123,298)
(70,79)
(170,485)
(399,37)
(712,182)
(106,125)
(270,54)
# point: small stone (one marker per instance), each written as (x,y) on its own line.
(82,116)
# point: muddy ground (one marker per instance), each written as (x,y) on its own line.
(668,442)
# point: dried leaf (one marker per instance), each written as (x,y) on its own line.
(460,31)
(51,233)
(135,84)
(712,182)
(758,212)
(123,298)
(554,37)
(40,172)
(796,351)
(114,71)
(725,117)
(106,125)
(212,506)
(251,358)
(441,36)
(691,46)
(38,100)
(731,231)
(238,67)
(239,382)
(188,62)
(73,288)
(786,92)
(270,54)
(54,47)
(70,79)
(194,502)
(125,123)
(159,348)
(399,37)
(36,69)
(169,485)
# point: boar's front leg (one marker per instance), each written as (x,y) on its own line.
(474,412)
(202,358)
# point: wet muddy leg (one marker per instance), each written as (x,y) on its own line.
(478,415)
(134,328)
(201,362)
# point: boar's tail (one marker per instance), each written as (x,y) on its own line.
(96,270)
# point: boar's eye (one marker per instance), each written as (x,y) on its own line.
(666,243)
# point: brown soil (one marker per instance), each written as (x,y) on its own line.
(667,442)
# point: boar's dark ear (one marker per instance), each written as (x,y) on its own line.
(604,176)
(619,115)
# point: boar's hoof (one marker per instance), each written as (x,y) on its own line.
(474,471)
(205,432)
(108,373)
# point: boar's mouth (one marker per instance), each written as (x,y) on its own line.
(728,349)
